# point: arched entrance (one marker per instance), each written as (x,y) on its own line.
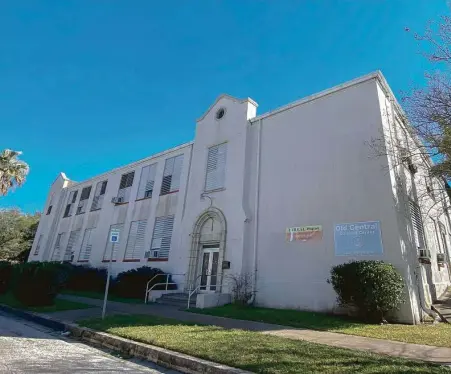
(207,251)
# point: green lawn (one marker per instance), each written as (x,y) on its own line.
(100,295)
(438,335)
(254,351)
(60,305)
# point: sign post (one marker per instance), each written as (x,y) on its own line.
(114,239)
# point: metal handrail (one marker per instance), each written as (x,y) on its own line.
(197,288)
(167,283)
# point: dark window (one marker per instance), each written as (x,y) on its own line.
(49,210)
(127,180)
(166,185)
(103,188)
(74,197)
(67,211)
(148,193)
(85,193)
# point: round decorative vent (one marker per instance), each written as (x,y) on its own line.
(220,113)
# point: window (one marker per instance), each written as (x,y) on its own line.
(216,161)
(147,181)
(70,204)
(135,242)
(38,245)
(85,192)
(406,160)
(113,246)
(99,195)
(73,238)
(57,249)
(417,224)
(171,175)
(49,209)
(86,246)
(125,186)
(161,238)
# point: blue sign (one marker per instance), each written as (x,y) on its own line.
(358,238)
(114,236)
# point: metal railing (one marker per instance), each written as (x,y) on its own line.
(166,284)
(192,291)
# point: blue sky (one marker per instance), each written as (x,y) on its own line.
(86,86)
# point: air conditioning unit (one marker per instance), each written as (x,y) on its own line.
(117,200)
(440,258)
(151,254)
(424,256)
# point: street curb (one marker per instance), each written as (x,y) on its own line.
(160,356)
(34,317)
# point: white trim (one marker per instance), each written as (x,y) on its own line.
(248,99)
(329,91)
(133,164)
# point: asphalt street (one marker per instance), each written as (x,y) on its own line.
(30,348)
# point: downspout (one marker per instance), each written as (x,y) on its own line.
(417,269)
(256,205)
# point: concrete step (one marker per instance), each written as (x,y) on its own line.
(178,303)
(176,296)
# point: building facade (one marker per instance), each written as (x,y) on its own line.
(279,197)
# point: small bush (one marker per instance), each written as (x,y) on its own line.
(85,278)
(374,287)
(132,283)
(38,283)
(6,271)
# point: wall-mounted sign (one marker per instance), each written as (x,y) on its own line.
(114,235)
(358,238)
(304,233)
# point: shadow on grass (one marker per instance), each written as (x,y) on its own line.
(253,351)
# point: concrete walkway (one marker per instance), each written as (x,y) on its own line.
(387,347)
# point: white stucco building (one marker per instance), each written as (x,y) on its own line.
(281,196)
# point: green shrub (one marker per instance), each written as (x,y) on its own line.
(38,283)
(6,270)
(86,278)
(374,287)
(132,283)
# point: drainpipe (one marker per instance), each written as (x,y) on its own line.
(256,204)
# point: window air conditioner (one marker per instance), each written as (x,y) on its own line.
(151,254)
(440,258)
(424,255)
(117,200)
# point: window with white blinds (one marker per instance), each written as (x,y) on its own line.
(216,163)
(114,246)
(125,186)
(71,243)
(147,181)
(38,245)
(417,224)
(99,195)
(161,238)
(84,197)
(171,175)
(86,246)
(135,242)
(57,249)
(70,204)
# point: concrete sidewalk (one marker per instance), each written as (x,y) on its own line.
(387,347)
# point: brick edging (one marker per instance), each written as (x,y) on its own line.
(160,356)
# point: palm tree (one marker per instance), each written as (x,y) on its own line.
(13,171)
